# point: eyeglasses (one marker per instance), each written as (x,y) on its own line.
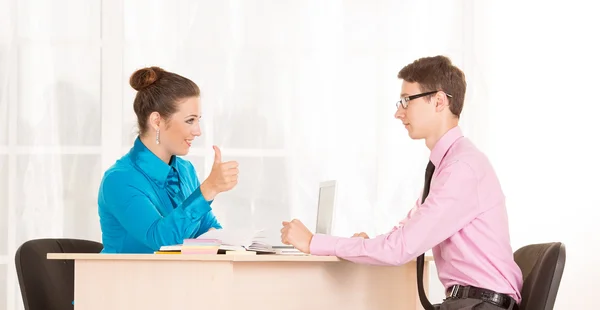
(404,101)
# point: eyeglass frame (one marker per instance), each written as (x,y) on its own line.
(404,101)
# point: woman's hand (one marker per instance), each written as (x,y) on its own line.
(223,177)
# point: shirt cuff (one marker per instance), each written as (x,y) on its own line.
(196,206)
(323,245)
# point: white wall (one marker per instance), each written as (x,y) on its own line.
(538,69)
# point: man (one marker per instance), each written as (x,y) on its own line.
(461,213)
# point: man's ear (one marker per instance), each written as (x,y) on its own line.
(441,101)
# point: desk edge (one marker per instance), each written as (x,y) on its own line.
(201,257)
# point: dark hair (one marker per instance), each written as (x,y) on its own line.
(159,90)
(438,73)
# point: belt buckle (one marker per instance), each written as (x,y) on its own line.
(454,292)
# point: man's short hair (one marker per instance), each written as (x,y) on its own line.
(438,73)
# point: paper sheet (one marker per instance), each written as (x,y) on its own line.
(235,237)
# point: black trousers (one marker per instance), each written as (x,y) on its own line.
(467,304)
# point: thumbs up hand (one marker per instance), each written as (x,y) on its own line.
(223,177)
(217,154)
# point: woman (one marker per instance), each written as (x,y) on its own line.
(151,197)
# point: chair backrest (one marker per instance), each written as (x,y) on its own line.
(46,283)
(542,266)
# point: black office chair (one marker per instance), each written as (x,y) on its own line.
(542,266)
(47,284)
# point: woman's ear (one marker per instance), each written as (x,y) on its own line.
(154,120)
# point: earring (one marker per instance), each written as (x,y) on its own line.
(157,139)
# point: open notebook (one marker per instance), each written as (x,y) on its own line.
(232,240)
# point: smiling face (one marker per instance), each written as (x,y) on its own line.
(419,117)
(181,128)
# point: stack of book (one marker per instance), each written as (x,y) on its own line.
(200,246)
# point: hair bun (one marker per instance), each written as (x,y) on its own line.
(145,77)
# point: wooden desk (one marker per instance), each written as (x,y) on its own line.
(182,281)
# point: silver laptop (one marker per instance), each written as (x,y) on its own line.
(325,211)
(326,207)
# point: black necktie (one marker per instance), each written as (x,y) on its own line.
(421,259)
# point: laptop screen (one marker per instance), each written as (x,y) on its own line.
(325,207)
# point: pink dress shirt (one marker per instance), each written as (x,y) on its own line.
(463,220)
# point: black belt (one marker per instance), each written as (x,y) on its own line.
(498,299)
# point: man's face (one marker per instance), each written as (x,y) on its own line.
(419,115)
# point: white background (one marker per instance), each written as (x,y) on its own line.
(299,92)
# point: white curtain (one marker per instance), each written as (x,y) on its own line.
(299,92)
(540,73)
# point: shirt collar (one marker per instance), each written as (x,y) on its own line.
(150,164)
(443,145)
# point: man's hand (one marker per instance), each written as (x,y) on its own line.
(296,234)
(223,177)
(361,235)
